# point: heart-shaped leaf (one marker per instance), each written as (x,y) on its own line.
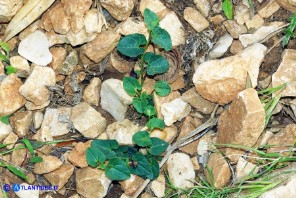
(117,169)
(131,85)
(36,159)
(106,147)
(149,111)
(155,123)
(94,156)
(142,168)
(161,38)
(142,138)
(151,19)
(132,45)
(156,64)
(158,146)
(162,88)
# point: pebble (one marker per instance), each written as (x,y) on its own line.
(195,19)
(221,46)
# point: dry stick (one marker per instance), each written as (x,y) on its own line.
(212,121)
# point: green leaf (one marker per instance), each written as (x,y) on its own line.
(149,111)
(155,123)
(156,64)
(151,19)
(3,58)
(5,46)
(36,159)
(10,70)
(227,9)
(106,147)
(93,156)
(132,45)
(162,88)
(289,31)
(17,172)
(142,138)
(3,145)
(28,145)
(37,144)
(5,119)
(154,167)
(161,38)
(117,169)
(140,104)
(158,146)
(143,168)
(131,85)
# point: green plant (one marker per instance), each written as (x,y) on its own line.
(289,31)
(227,8)
(4,57)
(121,161)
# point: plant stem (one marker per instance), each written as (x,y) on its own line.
(142,72)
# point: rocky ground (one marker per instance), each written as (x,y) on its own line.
(68,86)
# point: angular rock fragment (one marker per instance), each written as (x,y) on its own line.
(91,94)
(49,163)
(21,122)
(159,101)
(131,185)
(243,122)
(203,6)
(234,29)
(69,64)
(35,48)
(195,19)
(221,46)
(131,26)
(9,8)
(93,21)
(60,176)
(119,9)
(269,9)
(58,57)
(245,169)
(87,120)
(154,5)
(286,73)
(158,186)
(114,99)
(288,5)
(5,130)
(78,155)
(221,80)
(21,64)
(180,170)
(92,182)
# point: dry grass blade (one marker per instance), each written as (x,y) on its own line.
(25,16)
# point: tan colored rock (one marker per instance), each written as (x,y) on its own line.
(56,39)
(180,170)
(87,120)
(49,163)
(203,6)
(219,170)
(285,73)
(58,121)
(120,64)
(37,119)
(5,130)
(174,27)
(243,122)
(217,19)
(93,21)
(132,25)
(260,34)
(27,193)
(10,98)
(269,9)
(241,14)
(283,140)
(114,98)
(119,9)
(158,186)
(188,125)
(101,46)
(18,156)
(21,122)
(75,39)
(195,163)
(76,23)
(154,5)
(34,89)
(158,101)
(168,134)
(58,57)
(92,182)
(245,169)
(21,64)
(234,29)
(221,80)
(60,176)
(91,94)
(131,185)
(256,22)
(122,131)
(9,8)
(76,7)
(236,47)
(195,19)
(56,19)
(10,139)
(43,135)
(78,155)
(288,5)
(178,84)
(174,111)
(1,69)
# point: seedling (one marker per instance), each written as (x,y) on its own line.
(119,162)
(289,31)
(4,57)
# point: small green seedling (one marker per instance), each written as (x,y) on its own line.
(289,31)
(4,57)
(118,161)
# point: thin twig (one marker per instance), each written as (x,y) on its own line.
(212,121)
